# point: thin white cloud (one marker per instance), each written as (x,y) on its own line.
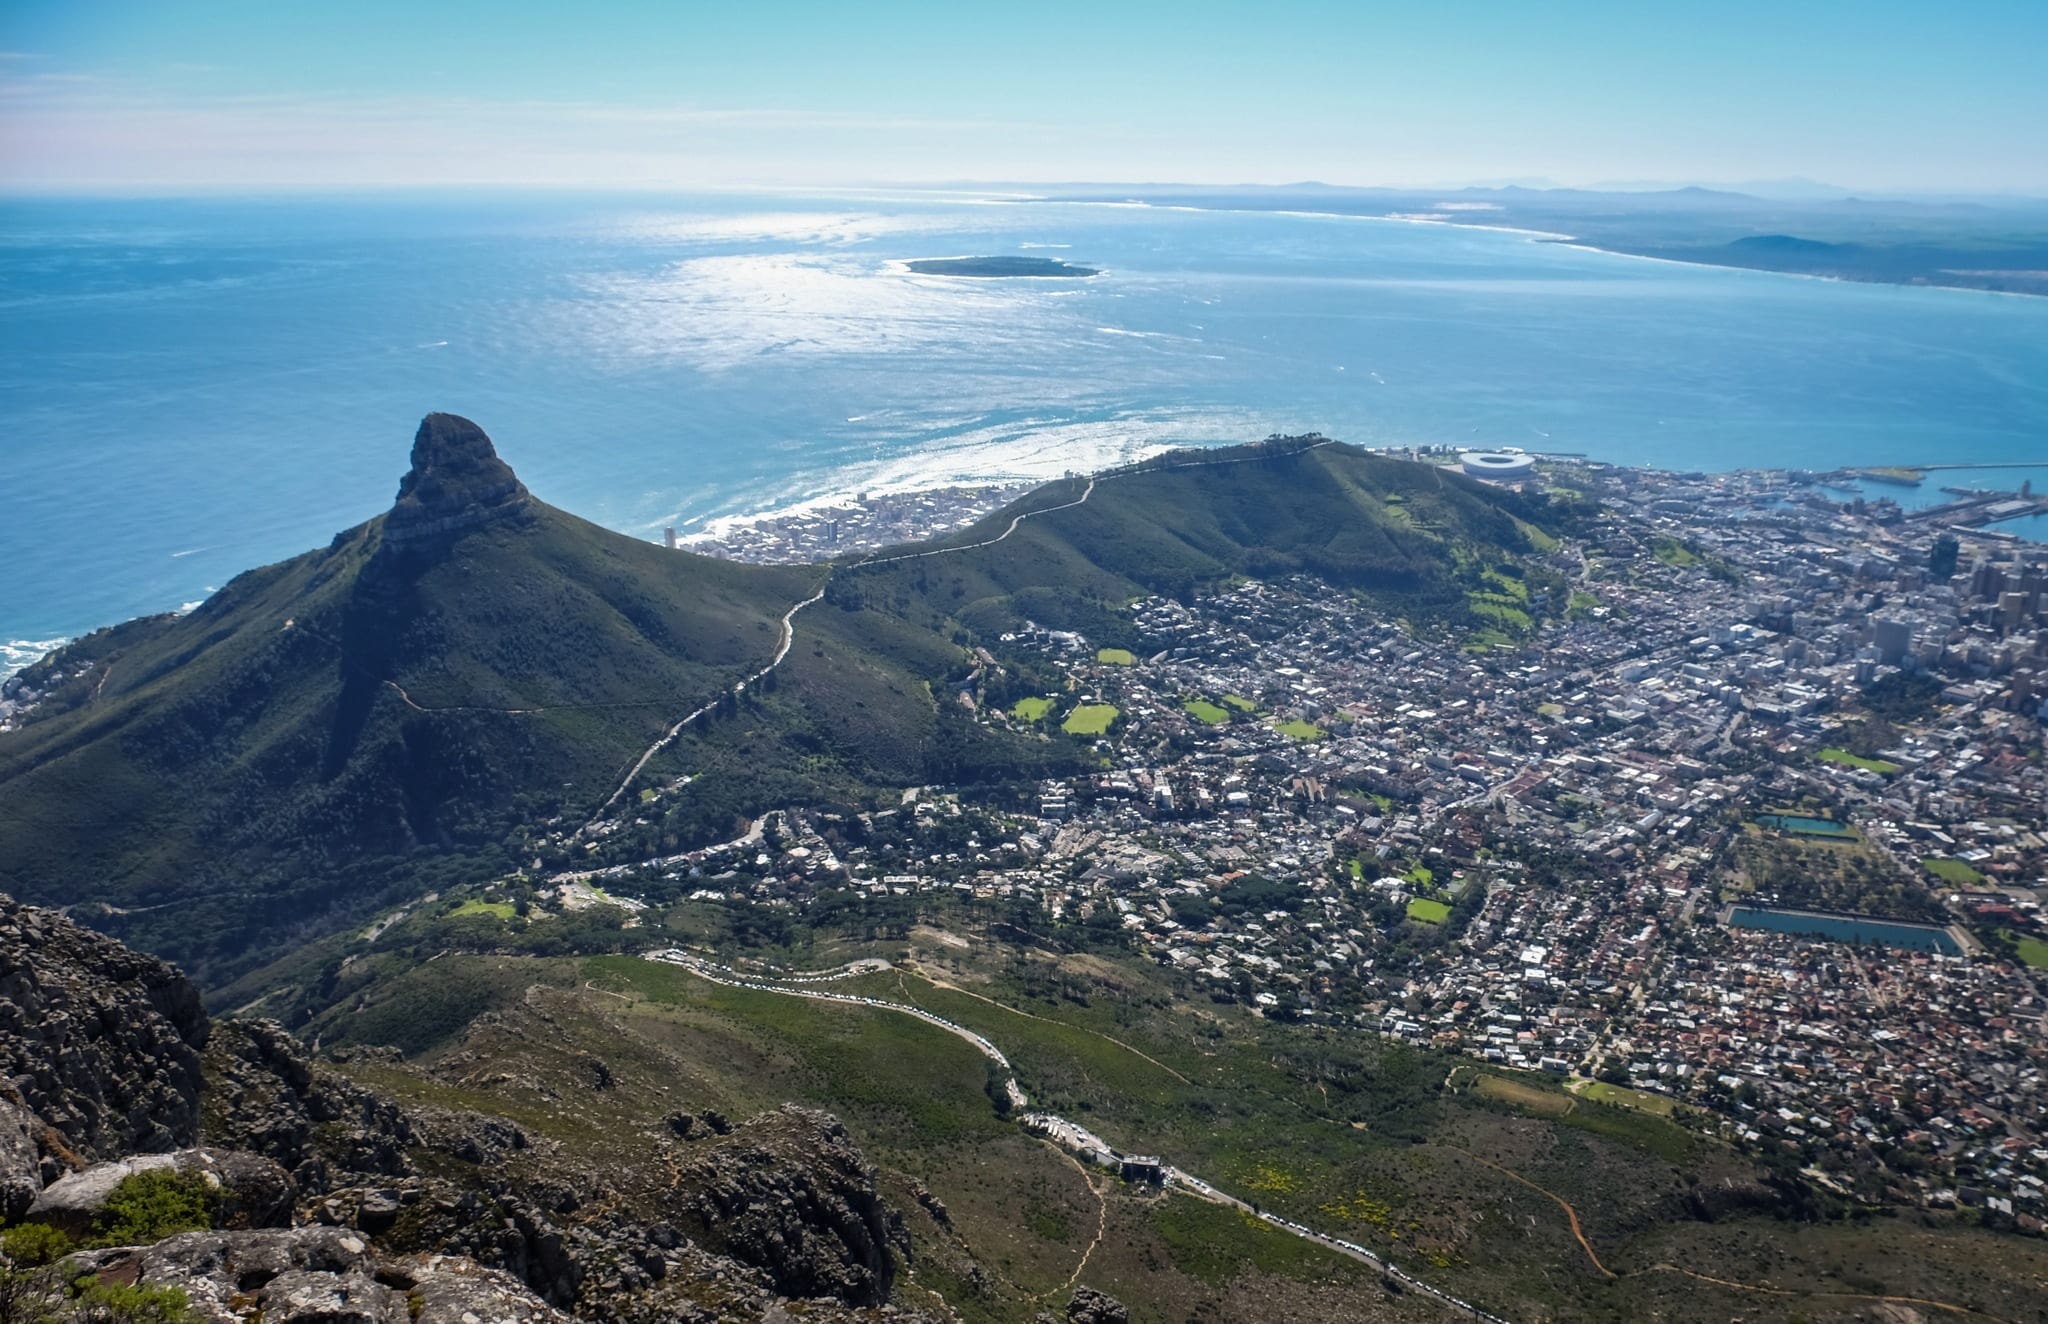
(74,129)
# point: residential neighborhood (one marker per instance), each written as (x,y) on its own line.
(1741,824)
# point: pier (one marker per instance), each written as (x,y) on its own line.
(1974,509)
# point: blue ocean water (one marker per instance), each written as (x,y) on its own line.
(192,388)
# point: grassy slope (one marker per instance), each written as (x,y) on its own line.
(1339,1130)
(1175,531)
(1021,1216)
(228,755)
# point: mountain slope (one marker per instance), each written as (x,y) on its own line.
(450,690)
(1420,541)
(430,680)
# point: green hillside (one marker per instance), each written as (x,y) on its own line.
(369,718)
(1499,1187)
(450,690)
(1414,537)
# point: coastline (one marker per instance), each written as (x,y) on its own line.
(1394,218)
(844,494)
(1585,247)
(19,654)
(847,520)
(821,528)
(1558,238)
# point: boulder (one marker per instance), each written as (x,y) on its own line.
(253,1191)
(74,1200)
(1088,1306)
(21,1165)
(319,1275)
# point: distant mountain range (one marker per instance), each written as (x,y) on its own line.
(466,683)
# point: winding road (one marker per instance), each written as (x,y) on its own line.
(789,617)
(1068,1135)
(788,638)
(1077,1140)
(788,632)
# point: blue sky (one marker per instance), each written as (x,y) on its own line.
(1879,95)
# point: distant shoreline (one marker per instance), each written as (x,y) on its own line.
(960,499)
(1586,246)
(1563,240)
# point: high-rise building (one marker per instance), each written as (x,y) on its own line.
(1893,639)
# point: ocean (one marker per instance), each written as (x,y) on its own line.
(190,388)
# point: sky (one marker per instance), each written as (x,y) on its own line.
(1902,96)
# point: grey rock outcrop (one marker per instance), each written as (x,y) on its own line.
(251,1191)
(789,1193)
(471,1137)
(405,1215)
(265,1095)
(99,1045)
(456,482)
(487,1222)
(21,1165)
(329,1275)
(1088,1306)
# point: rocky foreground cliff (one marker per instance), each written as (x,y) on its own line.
(121,1100)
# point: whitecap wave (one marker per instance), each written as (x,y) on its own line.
(1011,451)
(15,654)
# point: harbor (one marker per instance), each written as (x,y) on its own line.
(1966,507)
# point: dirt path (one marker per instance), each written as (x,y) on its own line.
(1578,1233)
(416,706)
(1101,1218)
(1089,491)
(788,638)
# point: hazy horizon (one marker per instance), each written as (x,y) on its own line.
(1891,99)
(1784,191)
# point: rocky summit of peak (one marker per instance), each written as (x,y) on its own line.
(456,482)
